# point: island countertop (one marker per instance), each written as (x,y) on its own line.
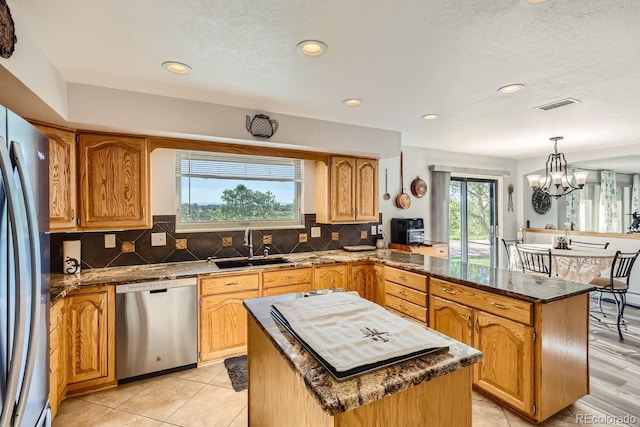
(335,396)
(509,283)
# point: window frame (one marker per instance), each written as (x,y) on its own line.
(215,226)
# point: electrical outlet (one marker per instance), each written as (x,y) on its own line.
(158,239)
(379,228)
(316,232)
(374,230)
(109,241)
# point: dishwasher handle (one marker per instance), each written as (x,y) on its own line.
(159,285)
(157,291)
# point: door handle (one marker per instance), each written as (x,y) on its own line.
(17,233)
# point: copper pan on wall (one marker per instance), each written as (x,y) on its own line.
(403,201)
(418,187)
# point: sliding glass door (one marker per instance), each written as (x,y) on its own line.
(473,220)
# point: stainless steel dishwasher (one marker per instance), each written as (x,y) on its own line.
(156,327)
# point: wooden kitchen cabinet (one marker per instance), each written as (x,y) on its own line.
(114,182)
(332,276)
(223,318)
(57,356)
(406,293)
(62,177)
(361,280)
(287,280)
(524,345)
(91,343)
(347,190)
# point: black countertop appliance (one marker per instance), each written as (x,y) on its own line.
(407,231)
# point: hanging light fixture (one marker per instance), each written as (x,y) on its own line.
(556,181)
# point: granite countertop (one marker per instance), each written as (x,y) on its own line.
(509,283)
(340,396)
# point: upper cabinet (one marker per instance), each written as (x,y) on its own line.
(114,182)
(62,177)
(347,190)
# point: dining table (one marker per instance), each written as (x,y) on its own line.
(576,264)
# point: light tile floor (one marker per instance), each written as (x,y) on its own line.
(204,397)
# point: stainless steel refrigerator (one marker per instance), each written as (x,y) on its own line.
(24,272)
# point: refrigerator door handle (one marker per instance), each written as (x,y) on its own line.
(15,365)
(36,280)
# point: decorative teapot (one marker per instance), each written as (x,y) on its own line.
(262,125)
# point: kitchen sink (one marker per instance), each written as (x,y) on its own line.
(236,263)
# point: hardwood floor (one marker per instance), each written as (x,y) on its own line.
(614,365)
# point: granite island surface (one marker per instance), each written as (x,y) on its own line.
(277,361)
(509,283)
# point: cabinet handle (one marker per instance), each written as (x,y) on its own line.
(402,293)
(402,277)
(101,305)
(448,291)
(287,277)
(476,325)
(73,213)
(232,284)
(404,307)
(59,317)
(468,321)
(503,307)
(142,213)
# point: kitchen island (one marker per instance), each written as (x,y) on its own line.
(289,387)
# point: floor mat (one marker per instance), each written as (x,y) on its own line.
(237,370)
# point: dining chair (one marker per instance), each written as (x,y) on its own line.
(617,285)
(589,244)
(508,244)
(535,260)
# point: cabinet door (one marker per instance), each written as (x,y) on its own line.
(377,291)
(62,177)
(343,188)
(453,320)
(113,182)
(506,370)
(366,197)
(361,280)
(89,349)
(331,276)
(223,323)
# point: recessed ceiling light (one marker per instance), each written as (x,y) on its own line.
(511,88)
(429,116)
(536,1)
(176,67)
(352,102)
(312,48)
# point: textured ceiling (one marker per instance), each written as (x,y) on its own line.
(404,59)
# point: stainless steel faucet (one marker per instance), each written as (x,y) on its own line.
(248,241)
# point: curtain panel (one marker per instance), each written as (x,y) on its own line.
(609,217)
(573,206)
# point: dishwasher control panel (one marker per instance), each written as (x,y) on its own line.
(158,284)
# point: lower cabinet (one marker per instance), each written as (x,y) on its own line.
(535,356)
(331,276)
(57,356)
(223,318)
(91,357)
(506,369)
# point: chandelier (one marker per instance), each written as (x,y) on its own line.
(556,182)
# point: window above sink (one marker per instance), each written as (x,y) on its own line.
(221,191)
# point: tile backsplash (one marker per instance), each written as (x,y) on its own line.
(134,247)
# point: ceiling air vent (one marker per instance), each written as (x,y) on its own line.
(557,104)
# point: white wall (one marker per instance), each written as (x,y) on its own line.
(417,161)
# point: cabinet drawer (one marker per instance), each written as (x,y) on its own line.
(272,279)
(408,294)
(510,308)
(438,251)
(229,283)
(405,307)
(305,287)
(412,280)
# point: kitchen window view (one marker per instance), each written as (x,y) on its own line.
(226,191)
